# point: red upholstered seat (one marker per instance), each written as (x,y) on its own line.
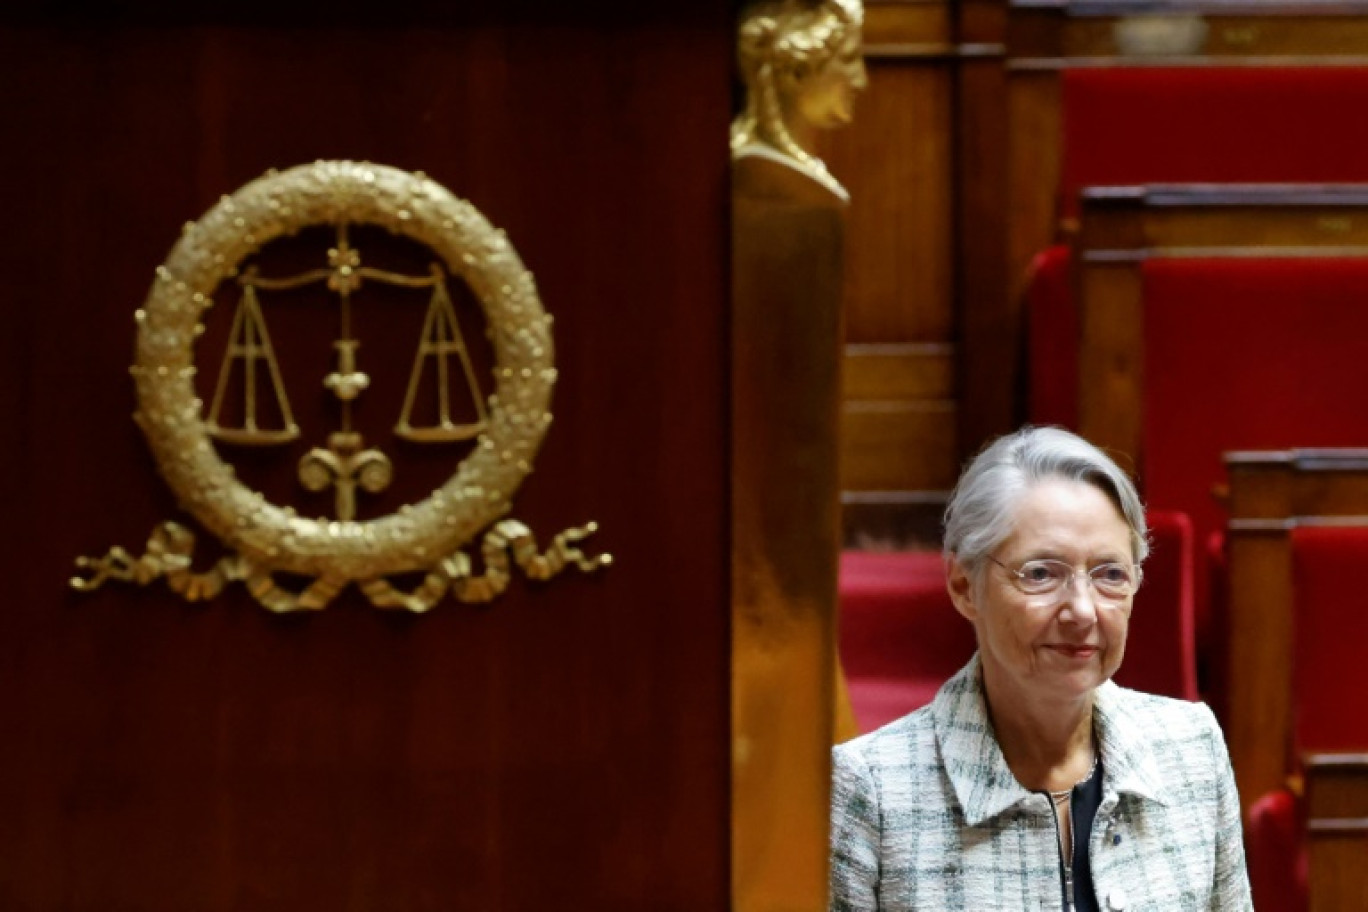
(1329,677)
(1161,655)
(878,701)
(1213,627)
(1137,125)
(1277,858)
(900,635)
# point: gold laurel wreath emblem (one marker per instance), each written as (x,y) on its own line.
(266,538)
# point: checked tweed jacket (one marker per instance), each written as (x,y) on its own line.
(926,816)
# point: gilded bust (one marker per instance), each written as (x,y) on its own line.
(803,66)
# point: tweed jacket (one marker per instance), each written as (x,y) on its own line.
(927,817)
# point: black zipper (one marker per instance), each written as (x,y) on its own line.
(1065,869)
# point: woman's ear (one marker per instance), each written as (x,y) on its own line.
(960,585)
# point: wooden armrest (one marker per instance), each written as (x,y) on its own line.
(1336,792)
(1337,830)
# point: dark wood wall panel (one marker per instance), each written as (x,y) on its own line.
(896,446)
(898,422)
(896,161)
(925,163)
(989,364)
(565,747)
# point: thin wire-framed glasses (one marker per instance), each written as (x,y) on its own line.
(1047,580)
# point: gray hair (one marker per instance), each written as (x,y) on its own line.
(980,514)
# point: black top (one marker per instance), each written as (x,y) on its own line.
(1087,797)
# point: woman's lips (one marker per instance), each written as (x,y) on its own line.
(1076,652)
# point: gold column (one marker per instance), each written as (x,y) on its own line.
(786,267)
(803,68)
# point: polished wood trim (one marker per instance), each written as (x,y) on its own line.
(887,520)
(1033,140)
(1028,65)
(1131,222)
(988,318)
(1276,526)
(928,30)
(982,22)
(1262,8)
(923,371)
(930,51)
(912,50)
(1229,253)
(1231,194)
(1259,719)
(1055,36)
(1032,146)
(940,498)
(1270,526)
(898,445)
(1111,357)
(1346,825)
(1309,459)
(920,22)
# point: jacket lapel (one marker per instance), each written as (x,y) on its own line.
(978,773)
(1129,763)
(983,784)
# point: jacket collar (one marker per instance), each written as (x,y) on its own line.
(978,773)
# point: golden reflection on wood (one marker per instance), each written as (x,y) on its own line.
(787,238)
(803,68)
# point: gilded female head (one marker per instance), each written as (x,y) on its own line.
(803,67)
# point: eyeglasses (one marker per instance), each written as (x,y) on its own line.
(1047,580)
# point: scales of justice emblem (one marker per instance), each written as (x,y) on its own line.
(266,540)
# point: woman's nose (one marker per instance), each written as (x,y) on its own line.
(1080,600)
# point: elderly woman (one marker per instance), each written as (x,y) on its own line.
(1031,781)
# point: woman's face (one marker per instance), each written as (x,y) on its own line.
(826,98)
(1065,649)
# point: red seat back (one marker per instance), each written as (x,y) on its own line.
(900,636)
(1052,340)
(1137,125)
(1161,655)
(1277,856)
(1330,679)
(1247,354)
(897,619)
